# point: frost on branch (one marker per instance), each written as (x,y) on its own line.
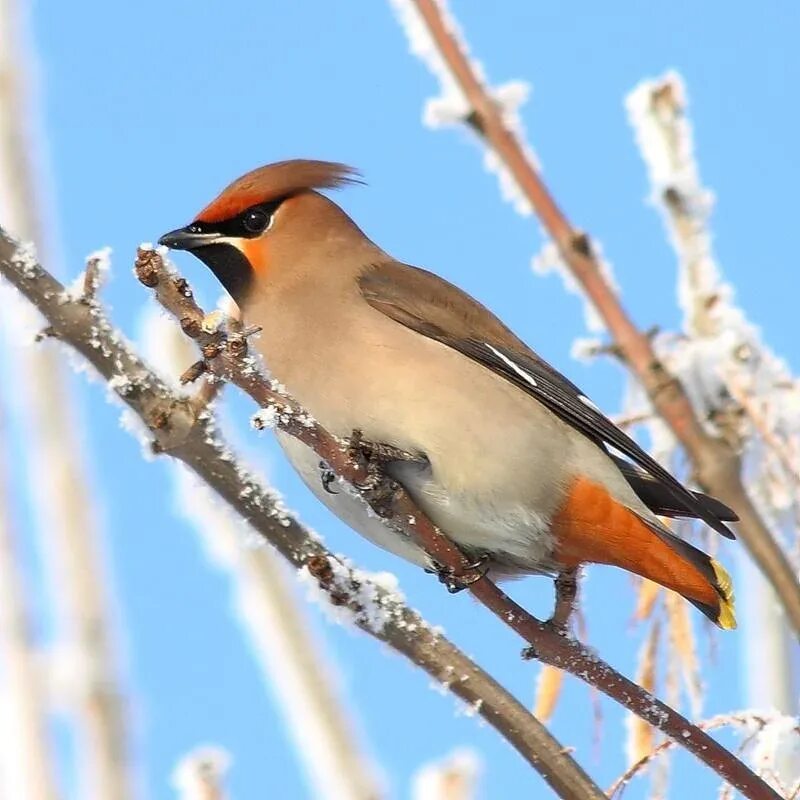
(735,382)
(770,742)
(452,778)
(451,107)
(199,774)
(350,595)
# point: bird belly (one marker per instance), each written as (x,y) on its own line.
(516,539)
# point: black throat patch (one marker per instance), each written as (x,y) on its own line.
(231,268)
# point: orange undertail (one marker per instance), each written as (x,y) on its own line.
(593,527)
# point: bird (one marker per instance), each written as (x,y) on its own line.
(520,469)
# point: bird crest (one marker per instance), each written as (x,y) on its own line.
(274,182)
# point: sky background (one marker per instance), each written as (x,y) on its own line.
(149,108)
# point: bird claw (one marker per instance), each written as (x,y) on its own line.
(377,488)
(456,580)
(327,477)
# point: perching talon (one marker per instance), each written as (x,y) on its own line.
(469,574)
(327,477)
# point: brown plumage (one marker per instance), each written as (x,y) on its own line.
(513,458)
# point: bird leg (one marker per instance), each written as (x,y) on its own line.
(566,586)
(456,580)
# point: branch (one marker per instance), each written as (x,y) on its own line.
(716,465)
(178,429)
(226,356)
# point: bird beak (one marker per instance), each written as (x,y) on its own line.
(186,239)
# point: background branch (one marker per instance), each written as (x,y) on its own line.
(716,464)
(177,429)
(79,592)
(26,762)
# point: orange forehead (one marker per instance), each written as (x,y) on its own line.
(230,204)
(273,182)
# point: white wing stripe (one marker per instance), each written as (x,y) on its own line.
(514,366)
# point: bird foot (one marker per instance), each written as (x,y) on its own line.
(327,478)
(376,487)
(456,580)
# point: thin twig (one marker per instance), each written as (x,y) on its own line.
(178,430)
(546,641)
(743,719)
(716,465)
(779,447)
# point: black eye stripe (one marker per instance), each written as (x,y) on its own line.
(250,223)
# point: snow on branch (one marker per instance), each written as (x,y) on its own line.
(734,379)
(185,430)
(770,741)
(452,106)
(454,777)
(200,774)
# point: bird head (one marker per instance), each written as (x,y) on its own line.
(263,217)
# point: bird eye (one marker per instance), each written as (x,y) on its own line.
(255,221)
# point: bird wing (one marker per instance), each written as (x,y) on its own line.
(431,306)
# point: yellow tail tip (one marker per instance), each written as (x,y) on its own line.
(727,614)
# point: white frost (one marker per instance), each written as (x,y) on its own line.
(199,774)
(454,777)
(375,595)
(451,106)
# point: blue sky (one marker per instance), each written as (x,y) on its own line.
(149,108)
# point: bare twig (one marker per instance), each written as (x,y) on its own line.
(546,641)
(178,430)
(754,721)
(782,450)
(716,465)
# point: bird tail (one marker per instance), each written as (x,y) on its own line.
(594,527)
(712,594)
